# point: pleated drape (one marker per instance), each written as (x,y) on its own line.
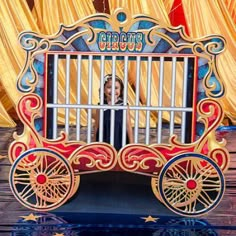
(212,17)
(15,17)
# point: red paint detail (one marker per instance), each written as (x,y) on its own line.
(191,184)
(41,179)
(31,157)
(205,149)
(177,16)
(203,163)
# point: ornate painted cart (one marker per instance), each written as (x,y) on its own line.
(186,170)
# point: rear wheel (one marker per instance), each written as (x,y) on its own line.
(191,184)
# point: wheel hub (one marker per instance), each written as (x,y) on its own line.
(41,179)
(191,184)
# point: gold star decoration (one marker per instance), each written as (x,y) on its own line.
(30,217)
(150,219)
(57,234)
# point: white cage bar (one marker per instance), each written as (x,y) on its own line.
(148,95)
(112,125)
(67,92)
(55,96)
(78,111)
(125,100)
(173,88)
(90,90)
(101,111)
(160,97)
(136,123)
(184,101)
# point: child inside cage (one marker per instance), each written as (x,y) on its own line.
(118,115)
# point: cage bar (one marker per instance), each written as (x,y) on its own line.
(148,95)
(184,101)
(172,97)
(67,98)
(112,127)
(160,102)
(136,127)
(78,97)
(101,111)
(55,96)
(90,87)
(125,100)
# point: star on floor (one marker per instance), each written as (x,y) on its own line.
(31,217)
(150,219)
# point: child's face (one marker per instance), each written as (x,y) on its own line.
(108,90)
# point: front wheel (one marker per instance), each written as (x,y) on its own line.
(191,184)
(46,184)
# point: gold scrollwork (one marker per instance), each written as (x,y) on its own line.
(97,156)
(138,157)
(28,109)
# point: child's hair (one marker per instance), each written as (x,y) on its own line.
(118,79)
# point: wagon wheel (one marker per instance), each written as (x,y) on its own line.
(44,186)
(190,188)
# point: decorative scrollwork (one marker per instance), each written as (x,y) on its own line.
(216,45)
(153,30)
(95,156)
(30,41)
(221,157)
(28,109)
(138,157)
(211,115)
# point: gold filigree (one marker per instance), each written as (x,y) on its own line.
(211,115)
(28,109)
(140,157)
(102,157)
(206,47)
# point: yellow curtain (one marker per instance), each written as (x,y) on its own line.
(14,18)
(5,119)
(231,5)
(212,17)
(155,8)
(168,5)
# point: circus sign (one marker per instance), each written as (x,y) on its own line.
(114,41)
